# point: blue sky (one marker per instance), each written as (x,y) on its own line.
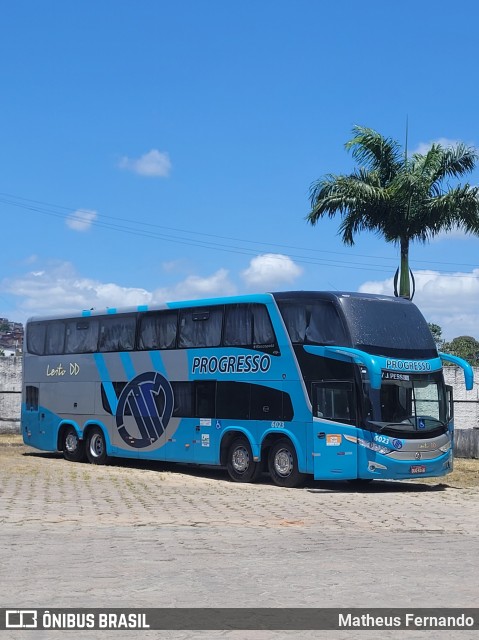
(152,150)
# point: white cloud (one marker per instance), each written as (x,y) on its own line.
(449,300)
(270,270)
(81,220)
(423,147)
(152,164)
(194,287)
(59,289)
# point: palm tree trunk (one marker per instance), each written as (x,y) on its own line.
(404,282)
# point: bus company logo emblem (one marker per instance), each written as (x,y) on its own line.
(148,398)
(397,444)
(418,455)
(21,619)
(427,445)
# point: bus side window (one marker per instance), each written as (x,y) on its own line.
(81,336)
(296,321)
(334,401)
(263,329)
(200,327)
(205,399)
(248,325)
(117,333)
(238,331)
(266,403)
(31,397)
(158,330)
(36,338)
(233,400)
(184,394)
(55,338)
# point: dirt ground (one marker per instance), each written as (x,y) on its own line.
(464,476)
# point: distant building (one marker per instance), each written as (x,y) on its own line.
(11,337)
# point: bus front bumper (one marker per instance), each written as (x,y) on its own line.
(384,467)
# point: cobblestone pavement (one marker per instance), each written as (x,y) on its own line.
(146,535)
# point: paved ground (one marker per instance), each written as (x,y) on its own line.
(146,535)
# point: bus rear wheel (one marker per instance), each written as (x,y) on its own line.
(240,464)
(283,465)
(96,447)
(73,448)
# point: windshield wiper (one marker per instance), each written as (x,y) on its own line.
(406,426)
(384,425)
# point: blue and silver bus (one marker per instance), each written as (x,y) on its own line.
(337,386)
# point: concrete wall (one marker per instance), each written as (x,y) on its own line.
(466,412)
(10,393)
(466,404)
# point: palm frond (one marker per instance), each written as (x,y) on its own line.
(338,194)
(458,208)
(459,160)
(375,152)
(440,162)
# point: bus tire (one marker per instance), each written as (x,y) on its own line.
(73,448)
(240,464)
(283,465)
(96,446)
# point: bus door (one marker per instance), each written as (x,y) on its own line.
(193,440)
(205,433)
(31,412)
(334,433)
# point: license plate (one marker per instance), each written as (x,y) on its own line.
(418,468)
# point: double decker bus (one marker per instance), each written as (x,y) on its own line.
(337,386)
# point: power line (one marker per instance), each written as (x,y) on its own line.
(131,227)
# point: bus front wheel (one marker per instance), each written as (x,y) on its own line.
(283,465)
(96,446)
(240,464)
(73,448)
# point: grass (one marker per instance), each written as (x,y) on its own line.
(10,439)
(464,476)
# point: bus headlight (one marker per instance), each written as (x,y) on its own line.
(374,446)
(445,447)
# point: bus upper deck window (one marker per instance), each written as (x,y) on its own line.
(81,336)
(55,338)
(117,333)
(200,328)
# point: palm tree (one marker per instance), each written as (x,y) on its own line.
(400,198)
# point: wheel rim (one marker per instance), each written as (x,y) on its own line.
(240,459)
(283,463)
(96,446)
(71,442)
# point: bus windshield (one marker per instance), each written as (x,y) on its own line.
(407,403)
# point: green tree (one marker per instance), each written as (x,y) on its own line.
(436,331)
(465,347)
(401,198)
